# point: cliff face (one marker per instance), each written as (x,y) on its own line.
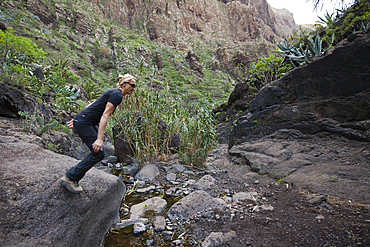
(173,22)
(285,21)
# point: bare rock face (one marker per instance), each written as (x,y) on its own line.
(38,211)
(331,94)
(285,22)
(172,22)
(42,10)
(193,60)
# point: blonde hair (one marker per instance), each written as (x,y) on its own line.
(124,78)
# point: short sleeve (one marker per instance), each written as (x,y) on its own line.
(115,99)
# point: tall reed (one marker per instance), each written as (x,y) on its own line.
(149,119)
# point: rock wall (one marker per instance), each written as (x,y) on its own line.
(38,211)
(285,22)
(330,94)
(171,22)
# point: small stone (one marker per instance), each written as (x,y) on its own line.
(267,207)
(325,205)
(110,159)
(171,191)
(317,200)
(139,228)
(145,190)
(189,173)
(171,176)
(177,242)
(150,242)
(159,223)
(169,228)
(178,167)
(167,234)
(320,217)
(118,166)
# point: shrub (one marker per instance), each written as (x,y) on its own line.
(92,89)
(15,53)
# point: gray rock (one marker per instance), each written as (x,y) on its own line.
(205,182)
(110,159)
(198,201)
(131,169)
(145,190)
(129,222)
(159,223)
(155,204)
(178,167)
(171,176)
(109,150)
(218,238)
(317,200)
(177,242)
(267,207)
(139,227)
(36,202)
(189,173)
(244,196)
(148,173)
(171,191)
(167,234)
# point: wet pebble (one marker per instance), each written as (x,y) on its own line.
(139,228)
(145,190)
(167,234)
(177,242)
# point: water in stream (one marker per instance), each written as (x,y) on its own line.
(124,237)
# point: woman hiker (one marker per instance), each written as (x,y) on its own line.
(85,124)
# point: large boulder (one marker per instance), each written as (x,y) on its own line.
(330,94)
(38,211)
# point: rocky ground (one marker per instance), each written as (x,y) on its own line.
(227,204)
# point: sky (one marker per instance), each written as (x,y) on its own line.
(302,10)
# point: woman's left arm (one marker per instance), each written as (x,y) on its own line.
(98,144)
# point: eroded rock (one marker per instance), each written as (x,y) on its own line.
(195,202)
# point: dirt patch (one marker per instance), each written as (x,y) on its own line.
(292,221)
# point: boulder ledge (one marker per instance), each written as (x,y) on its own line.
(38,211)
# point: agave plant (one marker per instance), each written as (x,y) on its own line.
(292,54)
(314,46)
(44,127)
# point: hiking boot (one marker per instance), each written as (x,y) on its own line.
(72,186)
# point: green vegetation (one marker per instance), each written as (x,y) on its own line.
(150,119)
(35,123)
(53,147)
(74,63)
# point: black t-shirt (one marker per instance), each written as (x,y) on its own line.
(94,112)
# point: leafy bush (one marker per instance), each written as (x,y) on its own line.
(17,49)
(15,53)
(262,72)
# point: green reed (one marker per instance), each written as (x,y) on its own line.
(149,119)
